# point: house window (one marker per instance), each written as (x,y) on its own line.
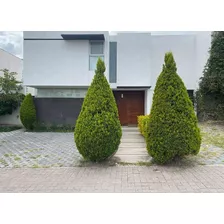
(96,51)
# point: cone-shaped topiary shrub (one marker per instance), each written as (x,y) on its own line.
(173,131)
(28,112)
(98,130)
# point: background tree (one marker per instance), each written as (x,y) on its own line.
(10,92)
(210,96)
(172,130)
(98,130)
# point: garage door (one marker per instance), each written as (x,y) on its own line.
(130,105)
(63,111)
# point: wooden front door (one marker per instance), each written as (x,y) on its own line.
(130,105)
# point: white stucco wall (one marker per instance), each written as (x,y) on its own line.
(58,62)
(203,43)
(184,52)
(148,100)
(133,59)
(190,53)
(61,92)
(140,57)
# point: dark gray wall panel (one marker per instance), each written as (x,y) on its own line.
(58,111)
(113,62)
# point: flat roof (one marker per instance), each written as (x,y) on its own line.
(83,36)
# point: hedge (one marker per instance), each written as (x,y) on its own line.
(143,122)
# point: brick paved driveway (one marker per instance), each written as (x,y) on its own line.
(46,149)
(52,149)
(113,179)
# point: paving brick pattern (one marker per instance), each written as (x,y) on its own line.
(50,149)
(46,149)
(198,179)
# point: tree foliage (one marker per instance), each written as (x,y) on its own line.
(210,96)
(10,92)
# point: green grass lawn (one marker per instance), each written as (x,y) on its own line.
(212,133)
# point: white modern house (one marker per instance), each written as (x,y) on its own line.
(60,66)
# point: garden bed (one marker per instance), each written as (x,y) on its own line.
(8,128)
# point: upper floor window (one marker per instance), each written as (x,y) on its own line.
(96,51)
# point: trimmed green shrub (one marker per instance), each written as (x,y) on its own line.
(98,129)
(173,130)
(28,112)
(143,122)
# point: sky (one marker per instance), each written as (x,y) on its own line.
(12,42)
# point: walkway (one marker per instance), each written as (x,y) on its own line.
(132,148)
(113,179)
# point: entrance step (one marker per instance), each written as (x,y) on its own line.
(129,129)
(132,145)
(132,158)
(132,140)
(131,133)
(133,151)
